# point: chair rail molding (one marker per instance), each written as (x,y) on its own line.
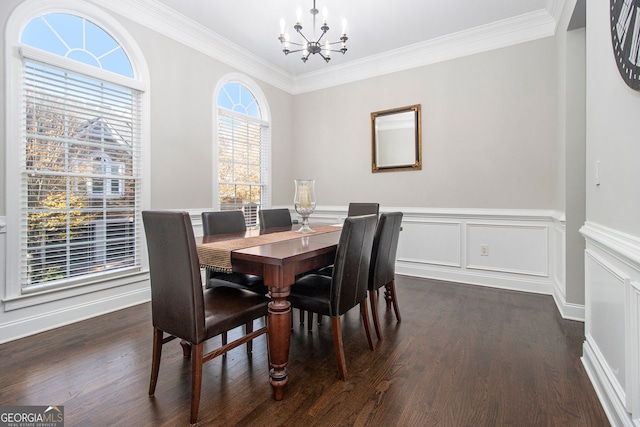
(503,248)
(611,351)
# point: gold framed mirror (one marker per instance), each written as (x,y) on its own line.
(396,139)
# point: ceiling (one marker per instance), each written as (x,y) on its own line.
(373,28)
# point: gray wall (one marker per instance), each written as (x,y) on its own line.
(488,133)
(613,110)
(182,84)
(488,130)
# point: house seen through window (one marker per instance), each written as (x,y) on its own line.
(81,144)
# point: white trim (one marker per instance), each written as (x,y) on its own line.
(417,264)
(158,17)
(516,30)
(166,21)
(44,320)
(265,117)
(622,246)
(614,287)
(612,407)
(38,55)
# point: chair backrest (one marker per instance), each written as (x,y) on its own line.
(385,246)
(274,218)
(351,267)
(221,222)
(177,305)
(356,209)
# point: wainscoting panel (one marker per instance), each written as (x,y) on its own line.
(509,248)
(431,242)
(498,248)
(605,318)
(611,351)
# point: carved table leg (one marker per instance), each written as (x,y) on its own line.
(279,337)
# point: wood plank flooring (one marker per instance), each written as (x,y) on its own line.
(462,356)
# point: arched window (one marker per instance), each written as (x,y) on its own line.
(243,149)
(80,135)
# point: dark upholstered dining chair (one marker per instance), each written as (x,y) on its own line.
(221,222)
(179,306)
(383,265)
(270,218)
(334,296)
(356,209)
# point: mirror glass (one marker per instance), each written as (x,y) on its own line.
(396,139)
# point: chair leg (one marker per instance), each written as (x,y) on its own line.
(302,317)
(248,328)
(186,348)
(373,296)
(196,380)
(339,345)
(365,319)
(391,290)
(309,321)
(155,359)
(387,296)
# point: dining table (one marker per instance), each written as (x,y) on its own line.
(277,255)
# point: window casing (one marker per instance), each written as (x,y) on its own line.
(243,150)
(79,176)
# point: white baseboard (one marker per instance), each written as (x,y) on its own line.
(46,320)
(617,415)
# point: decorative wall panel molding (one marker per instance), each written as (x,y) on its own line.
(611,351)
(448,244)
(443,244)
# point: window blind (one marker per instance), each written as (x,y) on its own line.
(243,147)
(80,177)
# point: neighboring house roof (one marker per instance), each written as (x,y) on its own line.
(100,129)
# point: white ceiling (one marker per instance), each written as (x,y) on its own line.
(384,36)
(373,27)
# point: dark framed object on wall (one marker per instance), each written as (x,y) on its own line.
(396,139)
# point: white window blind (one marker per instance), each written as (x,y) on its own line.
(80,177)
(243,147)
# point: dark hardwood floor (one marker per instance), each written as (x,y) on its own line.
(462,356)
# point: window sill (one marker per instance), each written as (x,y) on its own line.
(18,302)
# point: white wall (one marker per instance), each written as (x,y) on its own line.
(612,229)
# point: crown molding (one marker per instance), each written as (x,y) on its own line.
(162,19)
(520,29)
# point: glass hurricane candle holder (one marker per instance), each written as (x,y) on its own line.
(304,202)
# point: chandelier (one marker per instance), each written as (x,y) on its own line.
(315,45)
